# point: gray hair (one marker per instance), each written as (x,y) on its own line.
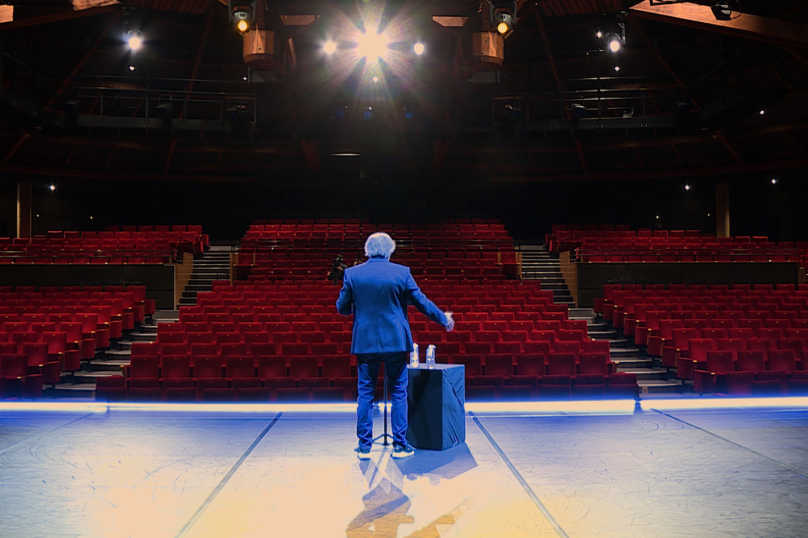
(379,245)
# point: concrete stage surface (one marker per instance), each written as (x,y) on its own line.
(154,474)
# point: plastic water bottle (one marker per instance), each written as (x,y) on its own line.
(430,357)
(414,358)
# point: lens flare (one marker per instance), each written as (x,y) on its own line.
(372,46)
(135,42)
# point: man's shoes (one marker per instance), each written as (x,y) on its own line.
(363,453)
(403,451)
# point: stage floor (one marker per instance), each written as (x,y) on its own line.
(166,474)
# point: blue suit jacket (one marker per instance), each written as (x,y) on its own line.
(377,293)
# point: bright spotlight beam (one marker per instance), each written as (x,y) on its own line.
(418,48)
(135,42)
(330,47)
(615,45)
(372,46)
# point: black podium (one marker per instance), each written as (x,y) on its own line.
(436,400)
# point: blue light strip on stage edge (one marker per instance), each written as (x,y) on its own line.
(724,403)
(565,407)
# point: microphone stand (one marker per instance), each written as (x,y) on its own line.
(384,436)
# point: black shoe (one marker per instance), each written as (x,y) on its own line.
(363,453)
(403,451)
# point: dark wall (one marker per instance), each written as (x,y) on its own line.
(400,189)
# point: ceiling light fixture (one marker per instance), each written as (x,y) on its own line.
(135,41)
(418,48)
(330,47)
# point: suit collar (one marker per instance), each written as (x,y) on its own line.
(372,260)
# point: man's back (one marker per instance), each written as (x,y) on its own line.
(377,293)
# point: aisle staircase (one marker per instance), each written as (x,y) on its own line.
(538,264)
(212,265)
(81,383)
(651,376)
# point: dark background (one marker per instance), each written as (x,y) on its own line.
(383,190)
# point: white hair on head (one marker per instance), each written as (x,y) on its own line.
(379,245)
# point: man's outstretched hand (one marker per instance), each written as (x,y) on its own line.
(450,322)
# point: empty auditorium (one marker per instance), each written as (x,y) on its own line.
(403,268)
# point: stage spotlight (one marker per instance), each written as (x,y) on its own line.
(52,187)
(375,80)
(657,217)
(372,46)
(762,112)
(135,41)
(418,48)
(330,47)
(502,15)
(687,187)
(617,69)
(613,32)
(241,14)
(132,68)
(774,181)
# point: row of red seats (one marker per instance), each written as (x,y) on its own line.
(427,253)
(749,373)
(685,325)
(566,239)
(49,330)
(311,221)
(178,377)
(523,388)
(131,246)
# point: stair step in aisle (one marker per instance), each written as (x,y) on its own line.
(651,378)
(81,383)
(212,265)
(538,264)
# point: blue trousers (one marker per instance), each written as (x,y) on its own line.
(367,370)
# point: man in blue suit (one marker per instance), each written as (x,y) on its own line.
(377,293)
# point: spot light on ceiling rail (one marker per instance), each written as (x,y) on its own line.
(502,14)
(242,14)
(134,40)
